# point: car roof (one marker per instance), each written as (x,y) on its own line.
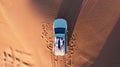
(60,35)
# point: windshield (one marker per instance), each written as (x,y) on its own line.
(59,30)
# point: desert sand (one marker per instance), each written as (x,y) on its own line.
(26,35)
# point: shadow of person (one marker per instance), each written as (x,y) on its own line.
(110,55)
(70,10)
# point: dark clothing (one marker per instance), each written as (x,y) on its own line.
(59,43)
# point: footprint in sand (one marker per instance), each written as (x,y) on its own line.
(71,48)
(46,35)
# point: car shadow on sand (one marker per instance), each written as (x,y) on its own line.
(70,10)
(110,55)
(47,7)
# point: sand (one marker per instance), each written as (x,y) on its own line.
(26,35)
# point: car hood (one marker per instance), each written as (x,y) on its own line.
(60,23)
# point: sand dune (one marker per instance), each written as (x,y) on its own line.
(26,36)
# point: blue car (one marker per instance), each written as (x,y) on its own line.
(60,37)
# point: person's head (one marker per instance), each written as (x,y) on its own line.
(61,38)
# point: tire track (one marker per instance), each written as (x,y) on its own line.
(84,5)
(58,61)
(88,6)
(12,58)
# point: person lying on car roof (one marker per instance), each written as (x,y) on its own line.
(59,42)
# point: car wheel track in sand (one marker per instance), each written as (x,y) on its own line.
(87,3)
(12,57)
